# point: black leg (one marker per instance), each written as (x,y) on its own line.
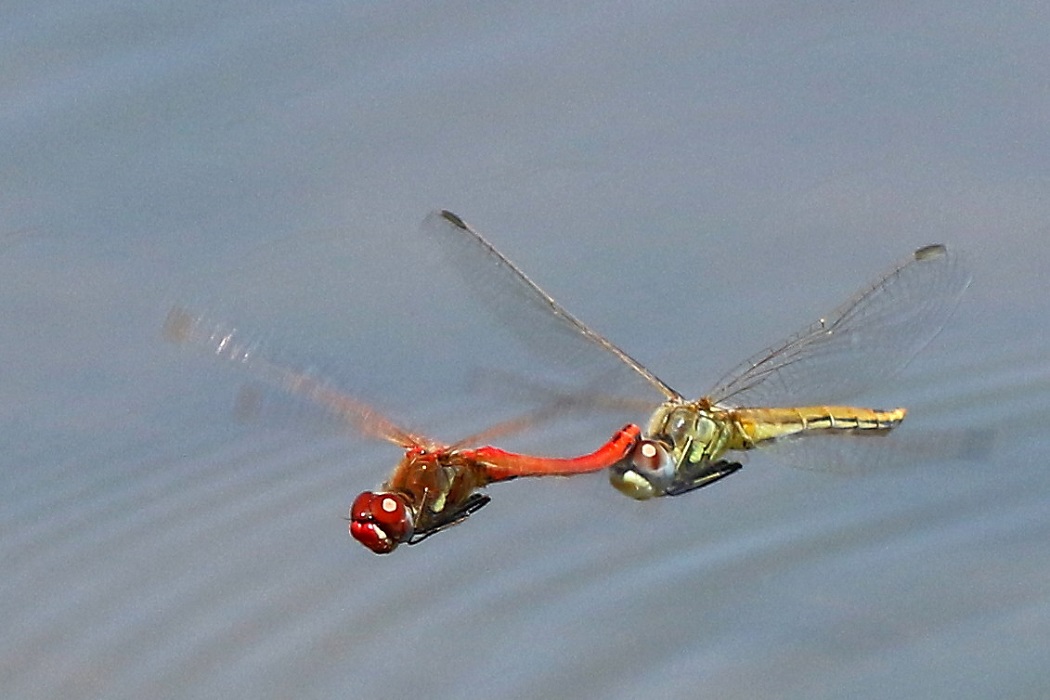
(472,505)
(706,476)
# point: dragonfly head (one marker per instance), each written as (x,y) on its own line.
(647,471)
(381,521)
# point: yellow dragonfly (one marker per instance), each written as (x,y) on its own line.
(790,391)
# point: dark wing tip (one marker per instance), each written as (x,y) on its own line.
(453,219)
(931,252)
(179,326)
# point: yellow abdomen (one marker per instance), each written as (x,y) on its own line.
(755,425)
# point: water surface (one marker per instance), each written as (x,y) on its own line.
(695,181)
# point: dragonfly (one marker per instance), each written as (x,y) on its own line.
(785,396)
(435,485)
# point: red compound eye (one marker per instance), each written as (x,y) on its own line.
(650,457)
(380,521)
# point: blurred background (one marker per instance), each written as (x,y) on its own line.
(695,180)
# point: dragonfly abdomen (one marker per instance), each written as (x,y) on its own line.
(755,425)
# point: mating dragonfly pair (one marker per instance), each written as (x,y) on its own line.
(782,395)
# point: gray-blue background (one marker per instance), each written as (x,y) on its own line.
(694,179)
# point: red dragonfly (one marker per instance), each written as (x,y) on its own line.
(435,485)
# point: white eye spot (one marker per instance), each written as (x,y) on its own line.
(648,450)
(389,505)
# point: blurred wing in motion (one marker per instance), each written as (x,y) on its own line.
(856,455)
(185,328)
(869,338)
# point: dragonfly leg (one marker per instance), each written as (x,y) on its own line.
(706,476)
(472,505)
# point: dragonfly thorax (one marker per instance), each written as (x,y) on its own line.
(682,438)
(691,432)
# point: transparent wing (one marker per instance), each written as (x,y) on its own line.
(538,321)
(396,326)
(862,454)
(185,328)
(201,333)
(867,339)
